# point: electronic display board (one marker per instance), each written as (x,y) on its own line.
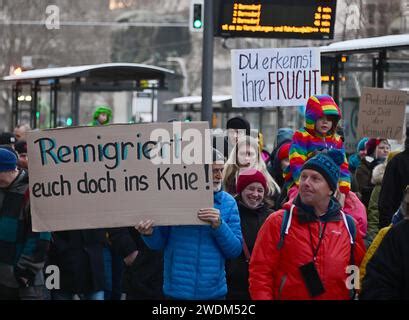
(297,19)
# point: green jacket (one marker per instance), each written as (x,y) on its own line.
(373,210)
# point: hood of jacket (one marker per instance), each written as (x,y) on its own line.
(284,134)
(354,161)
(318,107)
(377,173)
(306,213)
(19,185)
(275,162)
(103,109)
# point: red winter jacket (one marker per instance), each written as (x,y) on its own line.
(275,274)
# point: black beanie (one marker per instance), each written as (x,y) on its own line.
(238,123)
(7,138)
(21,146)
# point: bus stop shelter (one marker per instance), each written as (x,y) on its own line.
(108,77)
(377,62)
(378,49)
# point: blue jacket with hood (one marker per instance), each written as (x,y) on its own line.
(194,256)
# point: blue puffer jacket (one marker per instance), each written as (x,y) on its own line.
(195,255)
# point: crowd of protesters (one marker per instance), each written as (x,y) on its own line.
(285,225)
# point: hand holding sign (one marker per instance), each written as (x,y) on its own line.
(211,215)
(145,227)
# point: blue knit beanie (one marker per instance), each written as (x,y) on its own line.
(8,161)
(327,164)
(361,144)
(284,134)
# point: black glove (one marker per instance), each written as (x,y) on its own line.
(27,274)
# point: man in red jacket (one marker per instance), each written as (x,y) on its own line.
(303,250)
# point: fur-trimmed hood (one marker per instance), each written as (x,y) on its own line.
(377,173)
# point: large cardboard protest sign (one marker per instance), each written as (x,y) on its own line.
(275,77)
(112,176)
(382,113)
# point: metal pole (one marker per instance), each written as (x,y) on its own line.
(35,105)
(19,90)
(280,118)
(374,71)
(14,106)
(207,65)
(152,105)
(336,79)
(55,103)
(331,74)
(381,64)
(51,116)
(76,106)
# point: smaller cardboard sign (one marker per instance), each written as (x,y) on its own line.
(382,113)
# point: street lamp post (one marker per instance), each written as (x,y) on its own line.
(207,67)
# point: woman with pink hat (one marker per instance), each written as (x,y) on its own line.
(254,208)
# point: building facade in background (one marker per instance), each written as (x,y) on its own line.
(101,31)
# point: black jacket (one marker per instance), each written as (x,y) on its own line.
(363,175)
(387,276)
(237,273)
(79,256)
(395,179)
(144,278)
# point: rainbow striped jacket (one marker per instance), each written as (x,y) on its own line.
(307,141)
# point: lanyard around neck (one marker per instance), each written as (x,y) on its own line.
(321,235)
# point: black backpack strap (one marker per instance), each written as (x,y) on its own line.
(246,251)
(285,225)
(351,227)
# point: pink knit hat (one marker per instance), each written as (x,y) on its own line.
(249,176)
